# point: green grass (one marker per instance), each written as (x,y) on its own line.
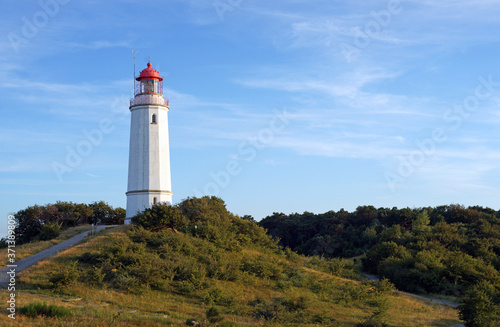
(35,309)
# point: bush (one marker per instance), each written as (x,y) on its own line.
(278,308)
(129,283)
(383,286)
(95,276)
(49,231)
(160,216)
(263,267)
(481,306)
(372,322)
(34,309)
(214,315)
(68,275)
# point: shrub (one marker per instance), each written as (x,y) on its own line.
(383,286)
(160,216)
(67,276)
(215,296)
(49,231)
(34,309)
(278,307)
(95,276)
(192,271)
(214,315)
(481,306)
(129,283)
(3,242)
(263,267)
(372,322)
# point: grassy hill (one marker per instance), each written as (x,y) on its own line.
(211,267)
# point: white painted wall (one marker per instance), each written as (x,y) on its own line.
(149,159)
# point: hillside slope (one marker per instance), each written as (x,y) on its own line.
(214,268)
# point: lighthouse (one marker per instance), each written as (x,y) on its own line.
(149,154)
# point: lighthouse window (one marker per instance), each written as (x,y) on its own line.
(154,200)
(153,119)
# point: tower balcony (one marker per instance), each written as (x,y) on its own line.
(144,99)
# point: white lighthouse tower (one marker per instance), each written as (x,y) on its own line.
(149,154)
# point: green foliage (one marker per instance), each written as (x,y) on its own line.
(421,223)
(49,231)
(34,309)
(373,321)
(67,276)
(152,255)
(28,224)
(481,306)
(43,221)
(335,266)
(95,276)
(262,267)
(160,216)
(209,219)
(102,213)
(382,286)
(214,315)
(278,309)
(444,250)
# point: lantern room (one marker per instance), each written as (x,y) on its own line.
(148,88)
(149,81)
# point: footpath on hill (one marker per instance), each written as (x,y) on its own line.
(371,277)
(17,267)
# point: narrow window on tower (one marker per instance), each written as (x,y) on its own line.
(154,200)
(153,119)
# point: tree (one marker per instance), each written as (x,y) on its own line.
(421,223)
(50,230)
(481,306)
(28,223)
(160,216)
(101,213)
(119,216)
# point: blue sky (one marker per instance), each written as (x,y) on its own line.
(284,106)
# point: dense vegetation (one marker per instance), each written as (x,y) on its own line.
(46,222)
(197,264)
(451,250)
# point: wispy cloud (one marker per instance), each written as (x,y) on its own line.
(102,44)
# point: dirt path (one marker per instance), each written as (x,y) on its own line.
(374,278)
(20,265)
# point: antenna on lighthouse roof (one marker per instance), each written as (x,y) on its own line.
(134,53)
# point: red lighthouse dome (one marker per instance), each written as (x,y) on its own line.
(149,73)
